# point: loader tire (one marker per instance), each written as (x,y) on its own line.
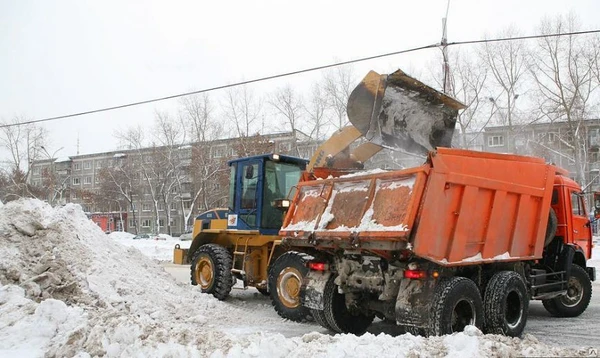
(577,298)
(319,316)
(506,304)
(211,270)
(456,303)
(339,318)
(551,227)
(285,279)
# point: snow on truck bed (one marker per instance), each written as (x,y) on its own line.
(67,289)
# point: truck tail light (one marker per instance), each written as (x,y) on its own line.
(415,274)
(317,266)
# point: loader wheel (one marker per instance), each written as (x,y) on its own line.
(506,304)
(551,227)
(577,298)
(456,303)
(339,318)
(285,280)
(211,270)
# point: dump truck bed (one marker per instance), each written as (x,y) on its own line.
(461,207)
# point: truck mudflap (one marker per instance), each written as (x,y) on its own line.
(591,271)
(312,289)
(413,302)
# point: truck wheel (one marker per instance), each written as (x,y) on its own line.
(339,318)
(319,316)
(506,304)
(211,270)
(456,304)
(577,298)
(285,279)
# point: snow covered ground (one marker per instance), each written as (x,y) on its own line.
(161,250)
(67,289)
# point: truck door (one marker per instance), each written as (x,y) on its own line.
(580,228)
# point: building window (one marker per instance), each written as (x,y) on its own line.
(87,180)
(145,207)
(187,204)
(219,152)
(87,165)
(97,180)
(36,170)
(551,137)
(76,181)
(161,207)
(161,222)
(98,164)
(172,222)
(146,223)
(285,147)
(132,223)
(496,141)
(76,166)
(173,206)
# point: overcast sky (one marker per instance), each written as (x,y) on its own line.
(60,57)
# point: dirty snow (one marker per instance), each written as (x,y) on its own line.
(67,289)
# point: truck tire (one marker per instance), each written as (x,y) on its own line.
(211,270)
(319,316)
(506,304)
(456,303)
(577,298)
(285,279)
(551,227)
(339,318)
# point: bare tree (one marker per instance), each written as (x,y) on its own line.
(201,188)
(562,68)
(243,111)
(507,63)
(23,144)
(315,111)
(288,103)
(120,181)
(338,84)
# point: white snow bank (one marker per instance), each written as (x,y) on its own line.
(161,250)
(67,289)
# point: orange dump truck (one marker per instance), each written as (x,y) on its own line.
(468,238)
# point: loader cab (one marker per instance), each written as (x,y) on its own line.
(254,183)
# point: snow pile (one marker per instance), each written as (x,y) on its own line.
(67,289)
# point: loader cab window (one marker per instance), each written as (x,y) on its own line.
(231,203)
(249,182)
(279,180)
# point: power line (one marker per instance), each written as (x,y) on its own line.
(260,79)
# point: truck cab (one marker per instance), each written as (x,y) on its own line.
(573,222)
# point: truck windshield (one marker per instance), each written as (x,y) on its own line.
(279,180)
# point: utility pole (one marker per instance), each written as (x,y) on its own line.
(447,83)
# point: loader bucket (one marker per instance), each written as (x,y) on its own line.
(401,113)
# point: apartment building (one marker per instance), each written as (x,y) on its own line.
(79,179)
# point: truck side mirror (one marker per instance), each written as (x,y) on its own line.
(249,172)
